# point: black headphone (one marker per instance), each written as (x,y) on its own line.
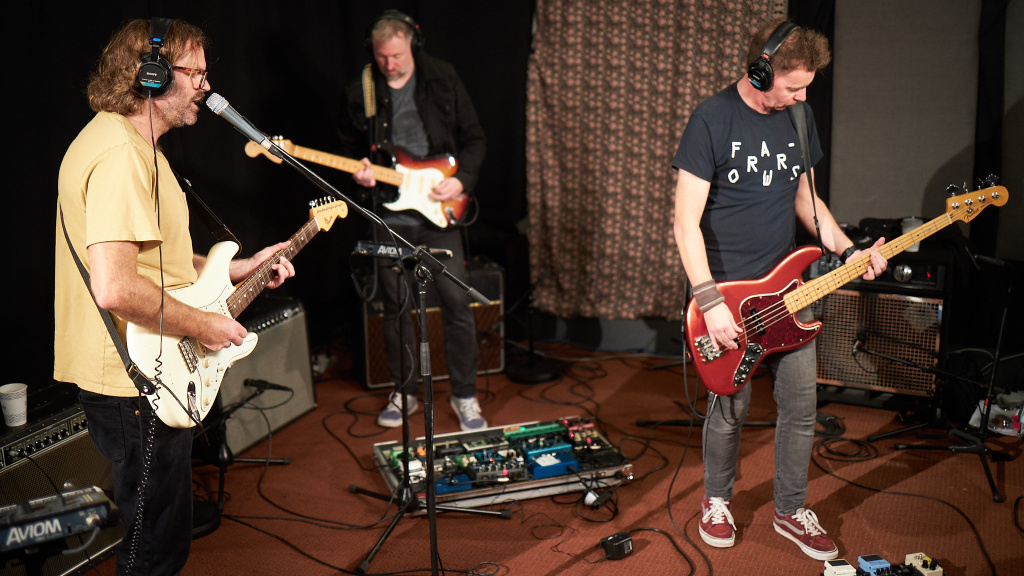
(155,73)
(760,72)
(417,36)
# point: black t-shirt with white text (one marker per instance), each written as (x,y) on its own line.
(753,163)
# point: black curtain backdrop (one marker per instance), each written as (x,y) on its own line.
(282,65)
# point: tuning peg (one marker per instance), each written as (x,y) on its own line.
(991,180)
(952,189)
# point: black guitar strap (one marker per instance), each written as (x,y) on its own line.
(798,114)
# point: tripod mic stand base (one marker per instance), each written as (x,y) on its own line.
(532,369)
(205,518)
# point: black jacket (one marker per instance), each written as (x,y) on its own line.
(444,107)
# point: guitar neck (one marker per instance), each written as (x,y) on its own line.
(381,173)
(247,290)
(822,286)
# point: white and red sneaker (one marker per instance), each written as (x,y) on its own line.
(716,524)
(803,528)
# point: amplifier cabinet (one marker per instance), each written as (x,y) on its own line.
(57,449)
(488,279)
(898,328)
(281,357)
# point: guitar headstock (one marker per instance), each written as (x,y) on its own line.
(968,205)
(252,149)
(325,211)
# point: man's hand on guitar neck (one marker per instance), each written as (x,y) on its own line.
(364,177)
(877,264)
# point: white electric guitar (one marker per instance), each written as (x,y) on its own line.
(186,374)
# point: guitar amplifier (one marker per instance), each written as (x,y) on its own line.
(54,446)
(281,358)
(488,279)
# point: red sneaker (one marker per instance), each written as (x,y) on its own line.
(803,528)
(716,524)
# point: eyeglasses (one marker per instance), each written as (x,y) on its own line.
(192,72)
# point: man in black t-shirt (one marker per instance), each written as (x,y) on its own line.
(741,190)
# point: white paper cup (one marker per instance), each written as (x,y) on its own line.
(908,224)
(14,398)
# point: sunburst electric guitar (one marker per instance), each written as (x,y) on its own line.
(187,375)
(414,177)
(766,308)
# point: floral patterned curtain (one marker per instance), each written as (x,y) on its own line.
(611,85)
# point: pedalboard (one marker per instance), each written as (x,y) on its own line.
(917,564)
(515,462)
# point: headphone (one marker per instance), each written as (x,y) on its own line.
(417,36)
(155,72)
(760,72)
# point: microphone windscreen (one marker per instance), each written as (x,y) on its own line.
(216,103)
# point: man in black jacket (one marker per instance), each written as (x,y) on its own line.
(419,105)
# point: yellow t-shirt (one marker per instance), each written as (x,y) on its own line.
(107,193)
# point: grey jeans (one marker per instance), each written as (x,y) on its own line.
(795,390)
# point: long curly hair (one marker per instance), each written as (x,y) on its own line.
(113,86)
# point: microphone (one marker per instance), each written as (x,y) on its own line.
(262,385)
(859,343)
(219,105)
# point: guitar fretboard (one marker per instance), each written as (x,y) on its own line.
(247,290)
(381,173)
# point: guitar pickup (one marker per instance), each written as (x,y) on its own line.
(188,354)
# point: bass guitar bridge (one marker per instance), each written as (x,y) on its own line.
(706,349)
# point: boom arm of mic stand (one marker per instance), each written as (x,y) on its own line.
(928,369)
(422,255)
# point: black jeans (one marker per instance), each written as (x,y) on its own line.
(457,318)
(121,427)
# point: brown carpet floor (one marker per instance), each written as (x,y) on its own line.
(301,518)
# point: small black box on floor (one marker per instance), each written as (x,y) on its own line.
(281,358)
(487,278)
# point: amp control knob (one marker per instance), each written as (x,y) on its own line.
(902,273)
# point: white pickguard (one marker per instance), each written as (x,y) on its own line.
(184,371)
(414,194)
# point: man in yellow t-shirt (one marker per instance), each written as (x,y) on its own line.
(128,221)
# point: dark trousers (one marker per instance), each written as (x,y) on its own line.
(122,429)
(400,298)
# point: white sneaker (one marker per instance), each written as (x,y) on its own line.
(391,417)
(468,411)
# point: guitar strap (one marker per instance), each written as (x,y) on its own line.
(140,380)
(369,99)
(217,228)
(799,117)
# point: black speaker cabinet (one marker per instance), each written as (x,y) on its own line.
(281,358)
(65,454)
(487,278)
(895,326)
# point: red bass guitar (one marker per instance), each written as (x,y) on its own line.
(766,308)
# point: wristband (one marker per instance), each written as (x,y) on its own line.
(708,298)
(847,253)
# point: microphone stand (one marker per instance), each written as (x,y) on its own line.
(206,514)
(974,444)
(426,269)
